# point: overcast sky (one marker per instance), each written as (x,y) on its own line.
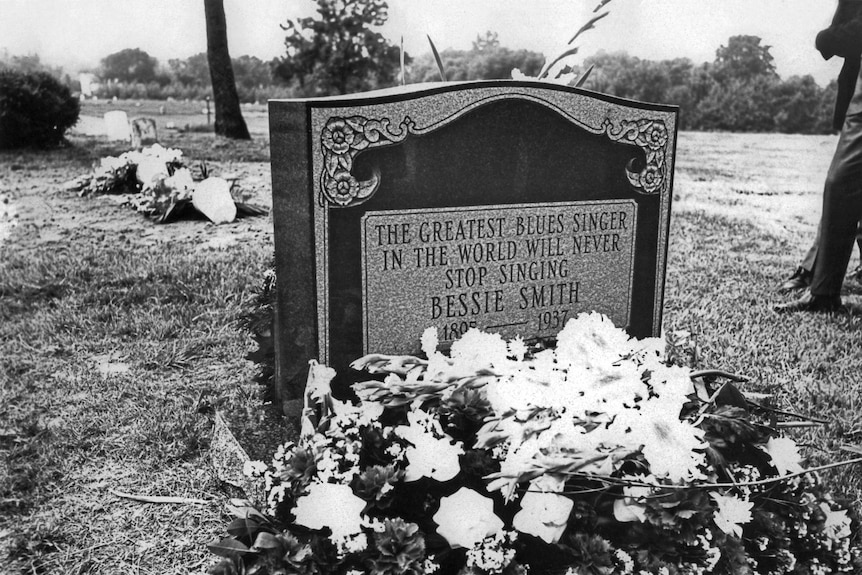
(78,33)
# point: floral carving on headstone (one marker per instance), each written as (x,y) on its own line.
(652,137)
(341,140)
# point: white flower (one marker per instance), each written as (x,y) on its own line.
(544,515)
(432,457)
(466,517)
(181,182)
(477,349)
(319,378)
(591,339)
(608,388)
(517,348)
(628,564)
(493,554)
(672,447)
(837,524)
(366,413)
(253,468)
(330,505)
(732,513)
(430,341)
(626,511)
(149,168)
(432,454)
(629,508)
(785,455)
(670,382)
(355,543)
(521,392)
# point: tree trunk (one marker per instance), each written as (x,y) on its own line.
(228,117)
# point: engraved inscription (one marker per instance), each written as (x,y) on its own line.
(518,270)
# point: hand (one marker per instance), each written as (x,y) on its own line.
(825,43)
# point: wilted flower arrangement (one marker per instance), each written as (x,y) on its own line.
(157,176)
(160,185)
(595,457)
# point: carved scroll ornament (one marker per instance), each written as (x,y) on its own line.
(342,139)
(651,136)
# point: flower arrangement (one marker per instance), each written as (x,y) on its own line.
(598,456)
(160,185)
(157,176)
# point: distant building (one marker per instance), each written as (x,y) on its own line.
(89,84)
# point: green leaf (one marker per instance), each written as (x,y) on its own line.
(244,511)
(584,77)
(244,529)
(440,67)
(566,54)
(728,394)
(600,5)
(589,25)
(266,541)
(227,547)
(403,69)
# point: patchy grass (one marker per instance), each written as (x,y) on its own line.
(721,287)
(112,358)
(117,342)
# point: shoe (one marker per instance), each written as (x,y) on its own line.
(856,275)
(800,279)
(812,303)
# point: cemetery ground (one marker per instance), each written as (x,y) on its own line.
(120,338)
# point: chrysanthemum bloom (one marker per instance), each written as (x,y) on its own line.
(732,513)
(785,455)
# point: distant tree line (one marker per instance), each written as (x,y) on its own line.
(739,91)
(134,74)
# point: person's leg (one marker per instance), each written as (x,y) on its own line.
(842,209)
(857,272)
(807,262)
(801,277)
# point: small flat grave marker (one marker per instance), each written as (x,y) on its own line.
(506,206)
(144,132)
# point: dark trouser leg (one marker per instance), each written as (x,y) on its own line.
(842,208)
(810,257)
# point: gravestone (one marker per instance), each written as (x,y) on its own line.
(506,206)
(144,132)
(117,125)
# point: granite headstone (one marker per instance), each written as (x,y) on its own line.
(507,206)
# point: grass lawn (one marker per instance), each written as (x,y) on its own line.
(118,338)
